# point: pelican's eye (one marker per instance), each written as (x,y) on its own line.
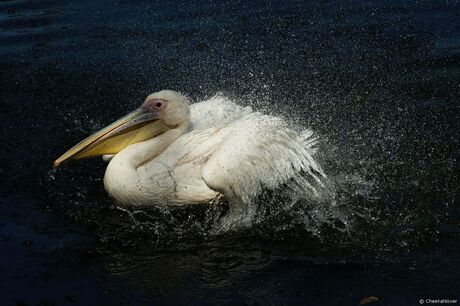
(158,104)
(155,104)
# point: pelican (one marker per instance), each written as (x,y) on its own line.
(171,151)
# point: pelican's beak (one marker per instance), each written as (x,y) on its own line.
(140,125)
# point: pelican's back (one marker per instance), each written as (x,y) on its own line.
(217,111)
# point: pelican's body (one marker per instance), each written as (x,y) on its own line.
(206,149)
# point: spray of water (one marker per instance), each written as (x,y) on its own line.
(356,206)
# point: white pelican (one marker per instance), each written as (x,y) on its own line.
(168,151)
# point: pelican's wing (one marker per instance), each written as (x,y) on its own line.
(216,111)
(259,152)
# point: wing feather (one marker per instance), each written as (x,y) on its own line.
(261,151)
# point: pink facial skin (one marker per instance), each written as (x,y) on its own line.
(155,105)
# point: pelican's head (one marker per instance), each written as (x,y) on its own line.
(160,112)
(170,106)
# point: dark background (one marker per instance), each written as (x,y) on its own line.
(378,81)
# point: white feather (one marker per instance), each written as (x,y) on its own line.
(227,149)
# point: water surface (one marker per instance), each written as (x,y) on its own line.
(378,82)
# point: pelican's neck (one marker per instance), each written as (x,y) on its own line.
(122,175)
(140,153)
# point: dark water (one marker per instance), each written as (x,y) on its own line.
(379,82)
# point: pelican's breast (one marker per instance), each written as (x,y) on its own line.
(176,174)
(130,186)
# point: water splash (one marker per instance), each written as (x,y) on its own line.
(361,208)
(52,174)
